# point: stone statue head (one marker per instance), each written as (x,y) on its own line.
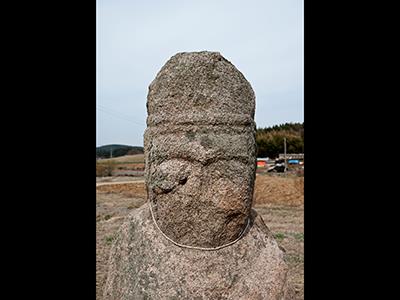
(200,149)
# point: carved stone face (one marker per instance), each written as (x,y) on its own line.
(200,186)
(200,155)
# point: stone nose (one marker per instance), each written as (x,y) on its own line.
(166,184)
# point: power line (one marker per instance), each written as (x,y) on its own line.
(117,114)
(112,110)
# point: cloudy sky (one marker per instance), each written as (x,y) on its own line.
(262,38)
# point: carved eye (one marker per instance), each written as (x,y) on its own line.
(182,180)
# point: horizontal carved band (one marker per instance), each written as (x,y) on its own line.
(227,119)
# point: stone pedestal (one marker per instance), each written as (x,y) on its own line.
(144,265)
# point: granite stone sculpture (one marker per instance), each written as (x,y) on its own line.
(198,237)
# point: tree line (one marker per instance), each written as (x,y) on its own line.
(117,150)
(270,140)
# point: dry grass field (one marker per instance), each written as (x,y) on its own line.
(120,165)
(136,158)
(278,199)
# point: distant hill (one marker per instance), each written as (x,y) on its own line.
(270,139)
(117,150)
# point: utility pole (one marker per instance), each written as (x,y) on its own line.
(111,152)
(284,151)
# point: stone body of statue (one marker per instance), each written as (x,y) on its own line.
(197,237)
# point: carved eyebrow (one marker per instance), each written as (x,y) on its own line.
(212,160)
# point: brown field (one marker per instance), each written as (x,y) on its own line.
(121,165)
(136,158)
(279,190)
(278,199)
(130,166)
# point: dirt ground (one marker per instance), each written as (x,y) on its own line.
(278,199)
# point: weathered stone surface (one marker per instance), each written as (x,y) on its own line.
(145,265)
(200,157)
(200,149)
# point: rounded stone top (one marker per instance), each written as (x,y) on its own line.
(202,87)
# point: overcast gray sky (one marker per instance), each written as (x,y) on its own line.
(262,38)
